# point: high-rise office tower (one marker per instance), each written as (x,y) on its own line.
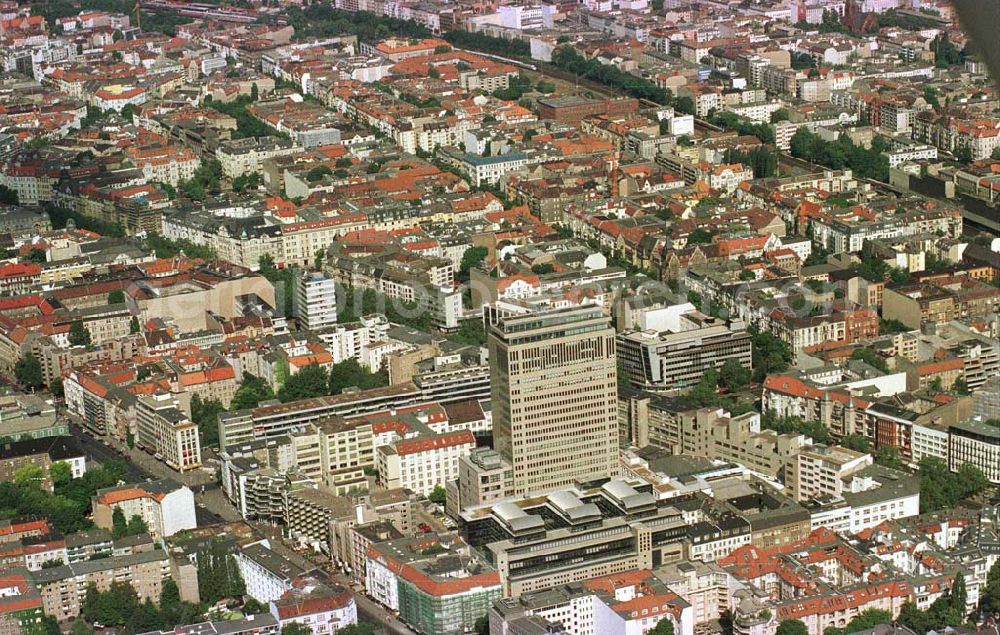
(554,392)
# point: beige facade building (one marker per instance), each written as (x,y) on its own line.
(335,451)
(64,588)
(708,432)
(483,477)
(243,156)
(820,471)
(554,392)
(167,433)
(312,514)
(716,435)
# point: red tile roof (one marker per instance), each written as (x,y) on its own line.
(452,439)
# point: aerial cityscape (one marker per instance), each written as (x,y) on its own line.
(500,317)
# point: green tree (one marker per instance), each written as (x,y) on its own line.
(60,473)
(245,182)
(8,196)
(733,376)
(79,627)
(792,627)
(266,264)
(945,53)
(193,190)
(942,489)
(78,334)
(168,248)
(888,456)
(958,595)
(931,97)
(205,413)
(349,373)
(867,162)
(684,105)
(438,495)
(704,393)
(49,625)
(868,619)
(471,332)
(989,597)
(251,392)
(143,618)
(112,607)
(570,60)
(699,237)
(870,357)
(664,627)
(133,325)
(311,381)
(37,256)
(116,297)
(856,442)
(253,607)
(939,614)
(770,355)
(28,371)
(781,114)
(471,257)
(29,475)
(318,173)
(56,387)
(137,526)
(218,575)
(783,425)
(888,327)
(170,597)
(119,525)
(731,121)
(295,628)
